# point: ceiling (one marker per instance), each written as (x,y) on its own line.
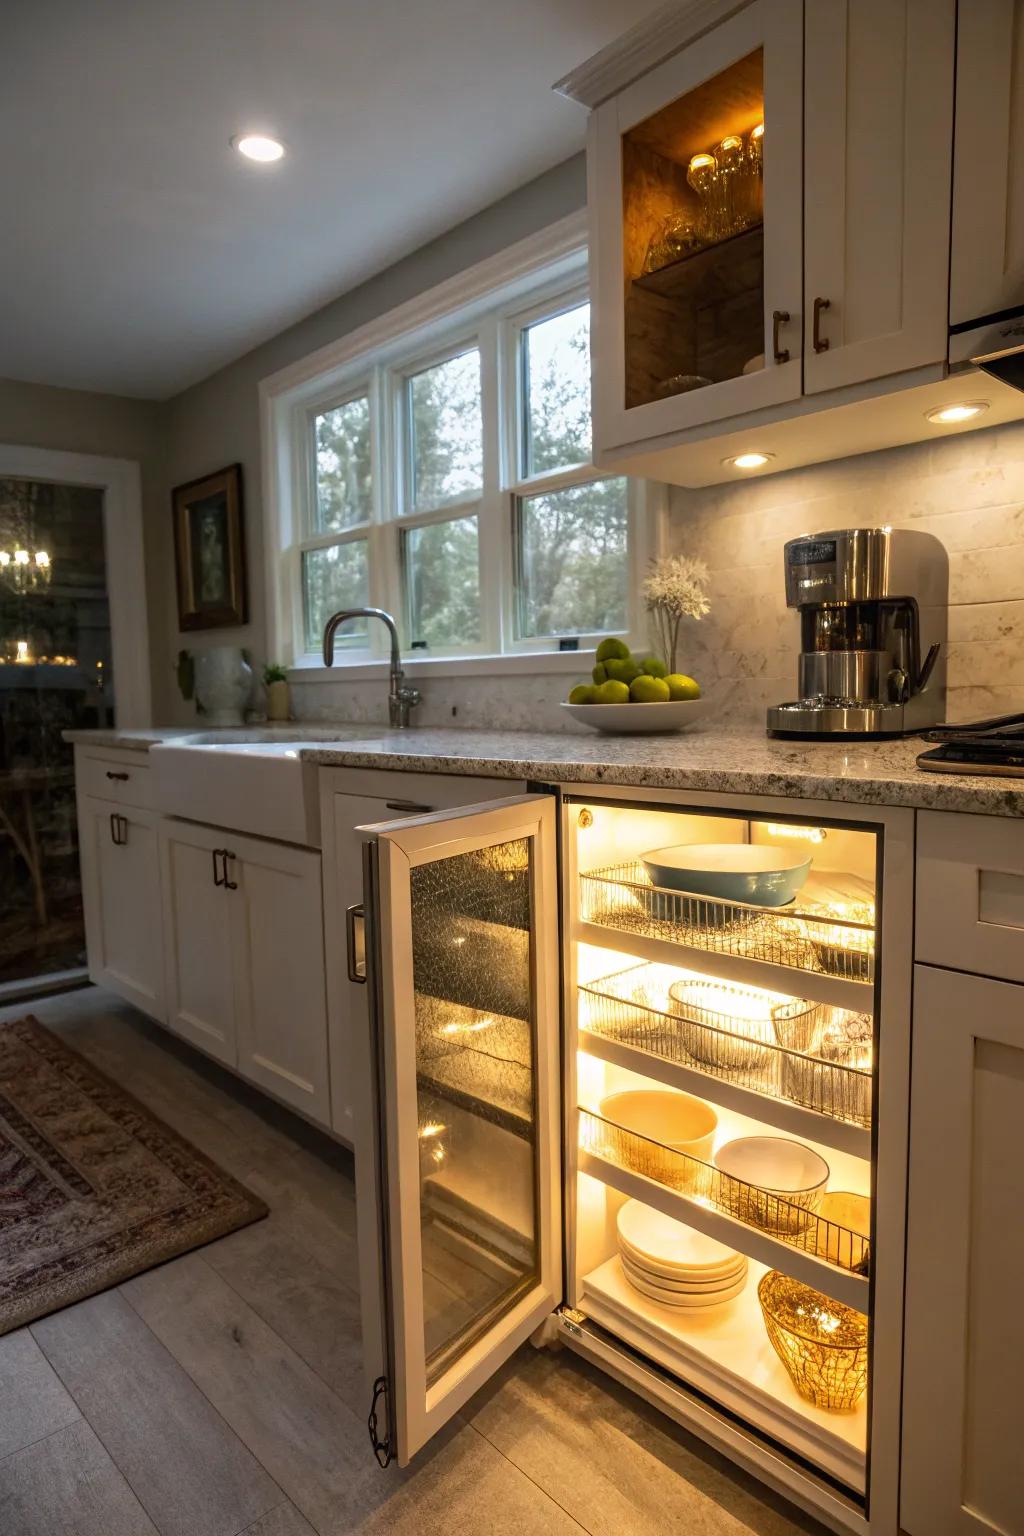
(140,253)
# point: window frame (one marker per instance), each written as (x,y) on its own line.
(548,278)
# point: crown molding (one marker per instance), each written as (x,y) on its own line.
(650,42)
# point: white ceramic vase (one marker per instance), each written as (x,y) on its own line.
(223,684)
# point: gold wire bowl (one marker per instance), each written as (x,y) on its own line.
(842,938)
(822,1343)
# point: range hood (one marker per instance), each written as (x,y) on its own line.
(993,343)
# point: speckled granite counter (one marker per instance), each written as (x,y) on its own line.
(728,760)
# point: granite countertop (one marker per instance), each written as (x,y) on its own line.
(720,759)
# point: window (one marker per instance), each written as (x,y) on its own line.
(447,478)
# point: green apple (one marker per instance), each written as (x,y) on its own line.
(583,693)
(611,692)
(622,671)
(600,673)
(653,667)
(682,687)
(649,690)
(613,650)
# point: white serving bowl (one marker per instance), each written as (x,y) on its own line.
(788,1180)
(747,872)
(638,719)
(670,1122)
(657,1241)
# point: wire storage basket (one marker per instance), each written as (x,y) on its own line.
(792,1219)
(825,942)
(822,1343)
(634,1008)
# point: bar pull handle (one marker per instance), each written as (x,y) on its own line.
(229,884)
(780,317)
(218,877)
(118,830)
(124,777)
(821,344)
(355,944)
(407,805)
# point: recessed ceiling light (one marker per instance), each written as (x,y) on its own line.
(748,460)
(949,415)
(256,146)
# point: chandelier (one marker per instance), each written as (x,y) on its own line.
(24,571)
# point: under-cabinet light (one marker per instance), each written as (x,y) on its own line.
(951,415)
(807,834)
(752,460)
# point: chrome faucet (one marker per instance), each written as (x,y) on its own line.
(400,697)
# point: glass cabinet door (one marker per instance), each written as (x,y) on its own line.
(464,1186)
(697,196)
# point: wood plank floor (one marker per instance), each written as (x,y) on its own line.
(221,1394)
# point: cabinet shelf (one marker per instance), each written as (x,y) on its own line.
(723,270)
(837,952)
(764,1226)
(725,1352)
(628,1019)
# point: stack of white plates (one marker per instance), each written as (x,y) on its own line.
(672,1263)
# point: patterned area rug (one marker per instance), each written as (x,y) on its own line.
(93,1188)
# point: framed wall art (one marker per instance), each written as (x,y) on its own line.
(209,550)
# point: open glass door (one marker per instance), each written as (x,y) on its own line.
(458,1156)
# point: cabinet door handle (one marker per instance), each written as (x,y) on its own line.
(821,344)
(229,885)
(122,776)
(407,805)
(118,830)
(780,317)
(218,878)
(356,966)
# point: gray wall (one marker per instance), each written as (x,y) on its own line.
(217,422)
(76,421)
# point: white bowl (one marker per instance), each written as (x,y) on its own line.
(652,1238)
(788,1181)
(638,719)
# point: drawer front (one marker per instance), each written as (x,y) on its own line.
(119,776)
(970,893)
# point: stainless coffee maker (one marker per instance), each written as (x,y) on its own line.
(872,605)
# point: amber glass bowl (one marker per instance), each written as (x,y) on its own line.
(822,1343)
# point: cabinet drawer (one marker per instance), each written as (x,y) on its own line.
(119,776)
(970,893)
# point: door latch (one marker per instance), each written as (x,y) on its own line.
(382,1447)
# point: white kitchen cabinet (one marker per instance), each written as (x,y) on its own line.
(709,316)
(199,965)
(878,105)
(278,942)
(963,1474)
(987,262)
(243,933)
(121,900)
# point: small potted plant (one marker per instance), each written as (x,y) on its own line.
(275,679)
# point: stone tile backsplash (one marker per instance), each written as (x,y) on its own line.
(968,490)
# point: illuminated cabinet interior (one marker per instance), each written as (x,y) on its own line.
(724,1092)
(693,237)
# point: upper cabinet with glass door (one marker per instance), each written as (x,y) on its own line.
(769,188)
(696,207)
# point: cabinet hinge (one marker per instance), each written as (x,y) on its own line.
(572,1321)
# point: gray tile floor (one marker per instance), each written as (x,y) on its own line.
(221,1394)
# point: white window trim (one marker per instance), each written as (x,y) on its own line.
(427,328)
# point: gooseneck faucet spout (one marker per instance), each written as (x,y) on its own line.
(401,698)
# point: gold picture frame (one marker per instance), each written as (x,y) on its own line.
(209,550)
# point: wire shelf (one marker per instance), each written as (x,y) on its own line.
(623,897)
(793,1220)
(634,1008)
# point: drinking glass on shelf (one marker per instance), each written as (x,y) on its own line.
(731,159)
(678,236)
(753,172)
(702,174)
